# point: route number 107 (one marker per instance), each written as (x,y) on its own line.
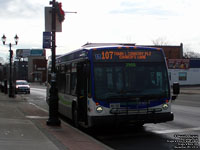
(107,55)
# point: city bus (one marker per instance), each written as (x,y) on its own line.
(114,84)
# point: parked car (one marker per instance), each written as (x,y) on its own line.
(22,86)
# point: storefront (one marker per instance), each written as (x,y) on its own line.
(184,71)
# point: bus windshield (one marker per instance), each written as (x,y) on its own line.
(130,80)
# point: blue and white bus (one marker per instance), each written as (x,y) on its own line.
(114,84)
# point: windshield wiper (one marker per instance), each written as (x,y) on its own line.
(133,90)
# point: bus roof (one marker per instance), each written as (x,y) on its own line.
(81,53)
(106,44)
(114,45)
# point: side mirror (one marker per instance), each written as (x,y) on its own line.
(176,88)
(174,97)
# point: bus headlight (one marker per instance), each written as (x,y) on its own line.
(165,106)
(99,109)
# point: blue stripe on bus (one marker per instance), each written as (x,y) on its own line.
(92,72)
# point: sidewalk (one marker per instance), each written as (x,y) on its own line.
(23,127)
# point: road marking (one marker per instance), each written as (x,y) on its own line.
(37,117)
(177,130)
(38,89)
(39,107)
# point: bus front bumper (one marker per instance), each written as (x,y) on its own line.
(131,119)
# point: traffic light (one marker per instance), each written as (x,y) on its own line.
(60,12)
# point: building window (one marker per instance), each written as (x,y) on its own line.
(73,83)
(182,76)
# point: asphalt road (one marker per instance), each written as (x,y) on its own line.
(37,97)
(182,133)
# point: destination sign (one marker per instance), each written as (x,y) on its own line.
(127,55)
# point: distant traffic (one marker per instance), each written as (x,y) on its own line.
(22,86)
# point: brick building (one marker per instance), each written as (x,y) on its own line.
(37,69)
(36,63)
(21,70)
(171,52)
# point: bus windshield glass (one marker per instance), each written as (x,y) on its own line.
(130,79)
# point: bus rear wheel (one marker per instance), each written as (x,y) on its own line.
(75,118)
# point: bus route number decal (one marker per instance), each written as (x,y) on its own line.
(109,55)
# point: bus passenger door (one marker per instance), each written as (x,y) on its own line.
(82,92)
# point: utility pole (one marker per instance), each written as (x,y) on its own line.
(53,101)
(56,11)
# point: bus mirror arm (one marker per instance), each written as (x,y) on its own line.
(176,90)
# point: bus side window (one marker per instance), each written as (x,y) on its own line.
(61,82)
(73,83)
(67,90)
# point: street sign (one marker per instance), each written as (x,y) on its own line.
(48,21)
(37,52)
(22,53)
(46,39)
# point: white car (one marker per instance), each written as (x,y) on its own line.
(22,86)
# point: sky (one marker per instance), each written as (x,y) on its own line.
(104,21)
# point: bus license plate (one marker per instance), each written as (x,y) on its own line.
(115,105)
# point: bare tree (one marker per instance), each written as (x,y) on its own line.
(191,54)
(188,53)
(1,60)
(160,41)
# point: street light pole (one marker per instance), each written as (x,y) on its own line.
(53,101)
(11,94)
(11,91)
